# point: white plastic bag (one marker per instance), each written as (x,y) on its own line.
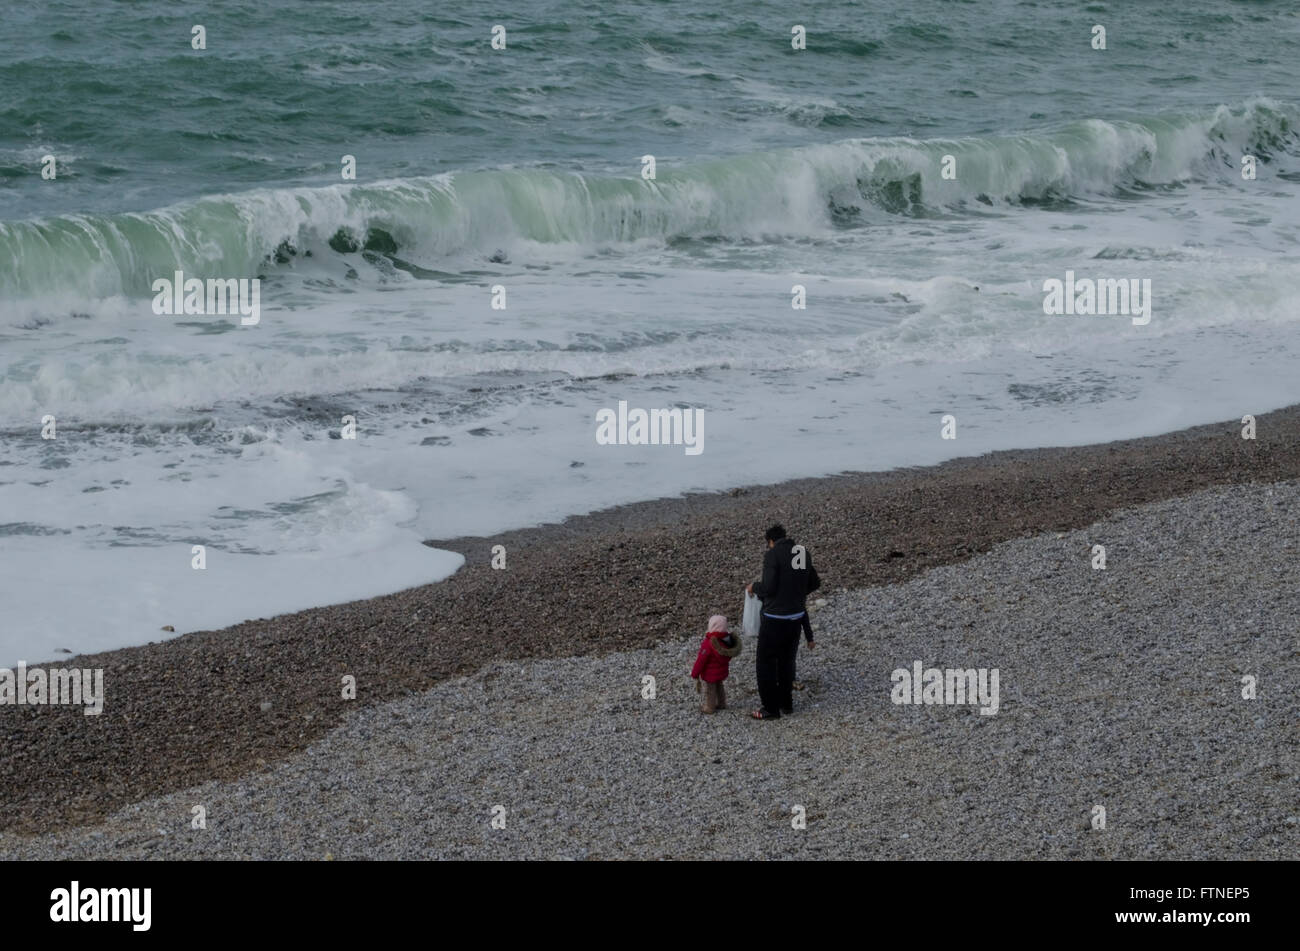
(750,618)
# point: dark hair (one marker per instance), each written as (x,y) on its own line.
(776,532)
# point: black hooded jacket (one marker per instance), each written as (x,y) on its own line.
(784,588)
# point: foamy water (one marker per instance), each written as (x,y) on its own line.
(924,298)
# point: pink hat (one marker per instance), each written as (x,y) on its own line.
(718,624)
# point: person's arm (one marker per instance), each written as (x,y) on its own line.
(767,586)
(699,660)
(814,581)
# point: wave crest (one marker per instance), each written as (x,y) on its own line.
(788,193)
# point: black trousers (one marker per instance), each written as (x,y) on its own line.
(778,647)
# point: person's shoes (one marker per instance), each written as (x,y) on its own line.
(765,715)
(787,711)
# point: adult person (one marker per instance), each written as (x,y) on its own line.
(788,576)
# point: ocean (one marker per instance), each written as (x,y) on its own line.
(920,170)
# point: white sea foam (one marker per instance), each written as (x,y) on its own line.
(177,431)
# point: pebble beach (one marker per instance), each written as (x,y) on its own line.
(1120,688)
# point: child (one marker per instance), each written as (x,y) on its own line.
(713,663)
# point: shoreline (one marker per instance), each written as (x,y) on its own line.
(1143,722)
(214,705)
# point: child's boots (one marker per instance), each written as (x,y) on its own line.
(715,698)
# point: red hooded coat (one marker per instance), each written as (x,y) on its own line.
(713,662)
